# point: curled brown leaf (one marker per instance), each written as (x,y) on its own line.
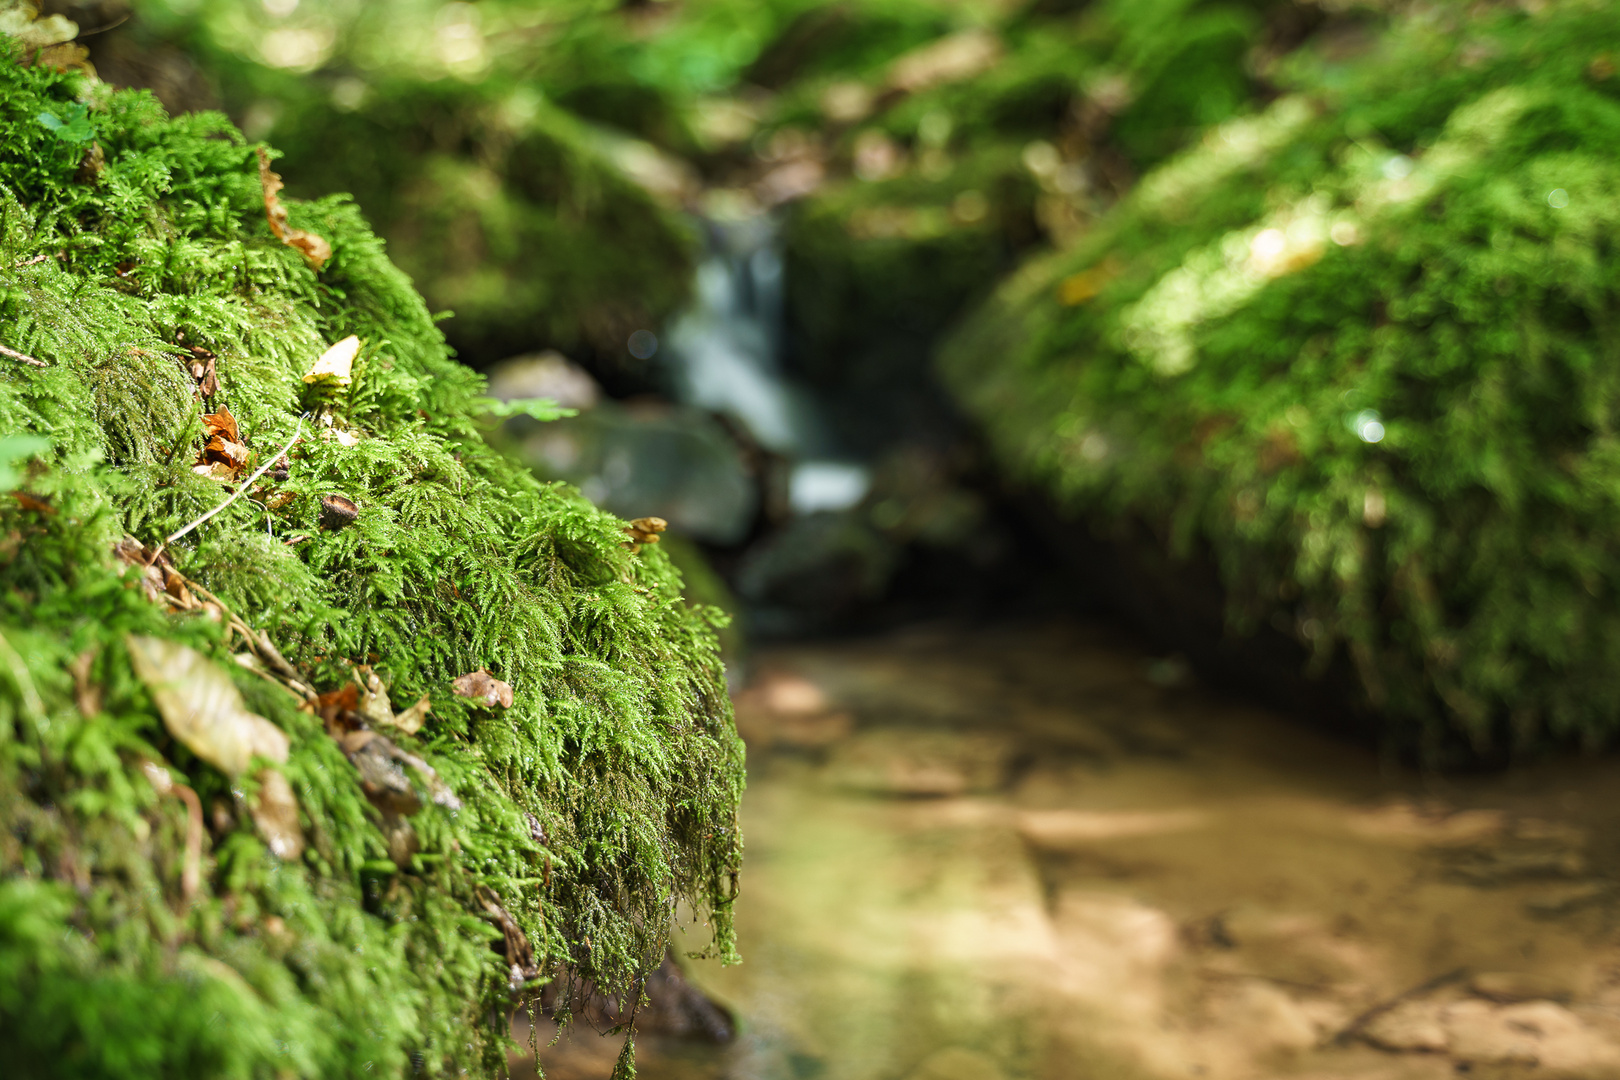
(337,512)
(645,530)
(483,687)
(313,248)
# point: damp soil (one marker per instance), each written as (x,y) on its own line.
(1046,853)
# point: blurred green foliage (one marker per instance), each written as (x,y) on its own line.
(1356,349)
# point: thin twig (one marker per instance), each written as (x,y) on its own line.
(1355,1027)
(297,431)
(41,257)
(21,357)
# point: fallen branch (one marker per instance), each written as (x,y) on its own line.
(242,488)
(23,358)
(41,257)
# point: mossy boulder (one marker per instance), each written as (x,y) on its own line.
(535,227)
(367,896)
(1356,352)
(948,169)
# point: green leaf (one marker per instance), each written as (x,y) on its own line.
(542,409)
(16,448)
(77,128)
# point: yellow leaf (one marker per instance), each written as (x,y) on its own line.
(336,363)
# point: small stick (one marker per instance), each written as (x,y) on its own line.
(1355,1026)
(41,257)
(297,431)
(21,357)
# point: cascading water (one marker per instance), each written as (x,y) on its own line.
(724,355)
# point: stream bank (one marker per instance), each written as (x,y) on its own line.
(1042,851)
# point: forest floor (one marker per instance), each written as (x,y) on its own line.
(1045,853)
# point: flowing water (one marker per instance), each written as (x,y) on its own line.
(1042,853)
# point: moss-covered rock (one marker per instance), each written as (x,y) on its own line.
(1357,351)
(448,124)
(146,926)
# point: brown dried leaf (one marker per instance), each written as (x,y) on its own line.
(410,721)
(645,530)
(481,686)
(215,471)
(202,708)
(314,249)
(221,423)
(337,512)
(374,703)
(132,552)
(381,776)
(31,502)
(275,813)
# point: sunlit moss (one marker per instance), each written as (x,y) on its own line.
(1357,352)
(603,797)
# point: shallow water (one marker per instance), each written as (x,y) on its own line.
(1043,853)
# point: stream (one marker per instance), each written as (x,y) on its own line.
(1042,852)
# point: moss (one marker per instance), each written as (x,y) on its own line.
(604,796)
(1357,350)
(502,206)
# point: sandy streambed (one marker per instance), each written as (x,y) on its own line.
(1041,853)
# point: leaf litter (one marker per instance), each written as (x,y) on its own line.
(313,248)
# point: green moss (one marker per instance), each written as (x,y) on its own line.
(605,795)
(1358,350)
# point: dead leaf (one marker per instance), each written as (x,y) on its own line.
(481,686)
(374,703)
(159,579)
(410,721)
(224,457)
(275,813)
(515,943)
(337,512)
(645,530)
(221,423)
(381,776)
(202,708)
(31,502)
(336,364)
(314,249)
(131,551)
(205,371)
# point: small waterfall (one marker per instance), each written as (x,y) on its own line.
(724,355)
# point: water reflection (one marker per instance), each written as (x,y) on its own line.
(1028,854)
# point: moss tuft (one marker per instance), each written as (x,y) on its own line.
(1358,350)
(603,798)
